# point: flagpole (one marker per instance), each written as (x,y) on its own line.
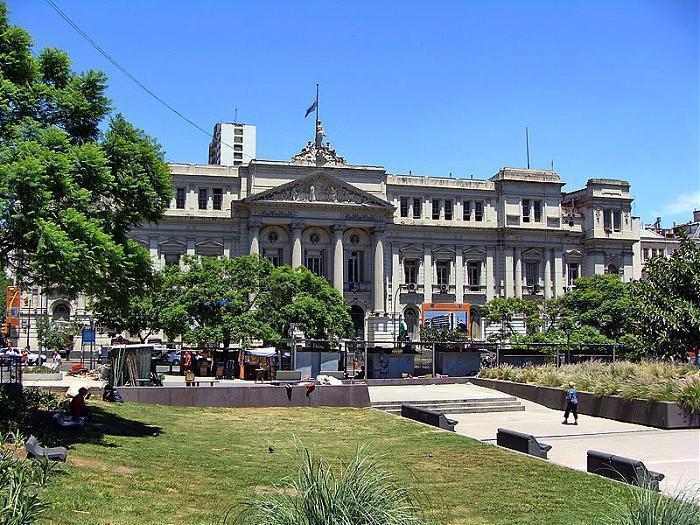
(316,105)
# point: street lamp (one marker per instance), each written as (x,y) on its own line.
(393,306)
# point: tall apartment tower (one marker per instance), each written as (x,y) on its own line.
(233,144)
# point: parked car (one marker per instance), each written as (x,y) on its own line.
(172,358)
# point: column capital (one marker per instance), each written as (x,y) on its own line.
(297,225)
(338,228)
(378,228)
(255,222)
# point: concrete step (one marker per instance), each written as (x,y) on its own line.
(384,405)
(448,406)
(468,409)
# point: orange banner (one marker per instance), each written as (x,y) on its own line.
(12,306)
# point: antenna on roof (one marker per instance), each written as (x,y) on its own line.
(471,176)
(552,164)
(235,116)
(527,146)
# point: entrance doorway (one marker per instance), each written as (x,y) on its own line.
(358,321)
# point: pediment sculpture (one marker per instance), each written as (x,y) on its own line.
(316,190)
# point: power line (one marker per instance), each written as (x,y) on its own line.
(129,75)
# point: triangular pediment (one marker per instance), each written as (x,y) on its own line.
(320,188)
(412,251)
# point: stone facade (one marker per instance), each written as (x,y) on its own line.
(390,242)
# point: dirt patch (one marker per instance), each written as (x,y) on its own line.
(265,489)
(96,464)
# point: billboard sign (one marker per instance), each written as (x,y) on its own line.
(454,317)
(12,306)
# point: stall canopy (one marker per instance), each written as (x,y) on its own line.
(262,352)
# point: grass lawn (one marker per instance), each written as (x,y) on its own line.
(171,465)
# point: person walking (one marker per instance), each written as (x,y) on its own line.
(571,404)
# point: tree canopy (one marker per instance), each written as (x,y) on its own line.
(665,311)
(219,301)
(69,192)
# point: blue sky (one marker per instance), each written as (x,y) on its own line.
(607,89)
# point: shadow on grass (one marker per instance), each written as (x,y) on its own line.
(104,423)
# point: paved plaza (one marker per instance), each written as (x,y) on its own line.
(675,453)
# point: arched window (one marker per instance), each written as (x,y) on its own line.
(358,321)
(613,269)
(61,312)
(410,315)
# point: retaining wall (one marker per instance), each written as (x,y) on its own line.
(355,395)
(659,414)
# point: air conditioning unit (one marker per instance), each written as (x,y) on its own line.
(535,289)
(411,287)
(443,288)
(568,288)
(353,287)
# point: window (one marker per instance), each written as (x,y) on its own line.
(443,272)
(238,147)
(448,210)
(612,269)
(314,262)
(646,254)
(526,210)
(474,275)
(61,312)
(466,211)
(417,208)
(238,131)
(538,211)
(217,197)
(572,273)
(532,275)
(238,140)
(180,198)
(478,211)
(410,271)
(172,259)
(355,267)
(404,206)
(607,220)
(203,199)
(436,209)
(274,254)
(617,221)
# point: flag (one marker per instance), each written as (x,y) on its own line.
(311,108)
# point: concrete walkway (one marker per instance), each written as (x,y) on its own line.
(675,453)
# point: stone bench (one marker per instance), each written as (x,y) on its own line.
(35,450)
(429,417)
(619,468)
(522,443)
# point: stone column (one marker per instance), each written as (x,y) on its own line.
(396,279)
(153,252)
(297,227)
(558,273)
(427,274)
(338,258)
(490,282)
(548,273)
(508,271)
(378,285)
(518,273)
(459,276)
(254,231)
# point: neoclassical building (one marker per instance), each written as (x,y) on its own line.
(389,242)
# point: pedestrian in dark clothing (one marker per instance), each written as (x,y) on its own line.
(571,404)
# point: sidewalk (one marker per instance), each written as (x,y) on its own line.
(675,453)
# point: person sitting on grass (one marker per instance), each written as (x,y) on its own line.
(571,404)
(78,408)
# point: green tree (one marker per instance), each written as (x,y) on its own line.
(665,311)
(69,193)
(141,314)
(215,301)
(301,297)
(503,311)
(54,335)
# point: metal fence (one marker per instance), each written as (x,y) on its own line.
(10,370)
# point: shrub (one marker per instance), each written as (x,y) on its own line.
(38,370)
(689,393)
(362,493)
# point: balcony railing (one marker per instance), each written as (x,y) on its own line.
(357,287)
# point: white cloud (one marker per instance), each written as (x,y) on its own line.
(681,207)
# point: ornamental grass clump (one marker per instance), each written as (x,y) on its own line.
(646,381)
(360,493)
(647,507)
